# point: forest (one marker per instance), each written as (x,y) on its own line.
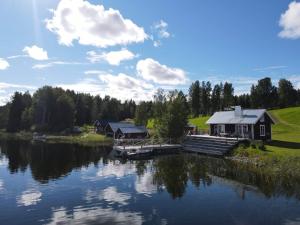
(52,109)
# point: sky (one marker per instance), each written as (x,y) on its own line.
(129,48)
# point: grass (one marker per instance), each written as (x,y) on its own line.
(283,152)
(87,138)
(198,121)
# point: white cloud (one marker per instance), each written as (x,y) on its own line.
(295,79)
(50,64)
(113,58)
(92,25)
(159,31)
(3,64)
(290,21)
(125,87)
(157,43)
(94,72)
(152,70)
(36,53)
(267,68)
(29,197)
(4,85)
(161,28)
(119,86)
(90,86)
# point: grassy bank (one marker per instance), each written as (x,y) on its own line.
(86,138)
(198,121)
(283,152)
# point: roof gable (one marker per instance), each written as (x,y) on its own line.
(133,130)
(116,126)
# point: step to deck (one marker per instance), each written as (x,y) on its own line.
(209,145)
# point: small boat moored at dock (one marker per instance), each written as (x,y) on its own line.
(39,137)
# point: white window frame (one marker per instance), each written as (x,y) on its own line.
(262,130)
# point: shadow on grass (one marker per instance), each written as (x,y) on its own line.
(285,144)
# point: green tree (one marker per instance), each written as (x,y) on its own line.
(142,114)
(264,94)
(228,95)
(65,113)
(216,98)
(194,98)
(286,93)
(172,122)
(19,103)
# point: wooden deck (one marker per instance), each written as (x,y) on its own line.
(140,151)
(209,145)
(148,147)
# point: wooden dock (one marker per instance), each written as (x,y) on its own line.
(139,151)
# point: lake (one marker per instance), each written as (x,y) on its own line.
(69,184)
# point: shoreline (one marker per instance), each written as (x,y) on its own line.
(84,139)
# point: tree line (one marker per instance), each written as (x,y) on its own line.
(205,99)
(52,109)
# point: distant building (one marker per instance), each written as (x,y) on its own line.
(125,130)
(100,126)
(138,132)
(250,123)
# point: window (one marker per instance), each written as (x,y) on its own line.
(262,130)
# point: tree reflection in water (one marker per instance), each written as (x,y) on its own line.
(170,173)
(50,161)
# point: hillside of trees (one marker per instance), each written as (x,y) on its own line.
(52,109)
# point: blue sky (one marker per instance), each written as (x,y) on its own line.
(129,48)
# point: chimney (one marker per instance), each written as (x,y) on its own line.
(238,111)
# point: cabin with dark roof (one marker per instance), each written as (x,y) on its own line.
(138,132)
(253,124)
(125,130)
(100,125)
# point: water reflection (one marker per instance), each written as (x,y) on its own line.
(172,173)
(48,162)
(29,197)
(68,184)
(1,185)
(95,215)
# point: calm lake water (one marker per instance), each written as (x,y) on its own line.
(68,184)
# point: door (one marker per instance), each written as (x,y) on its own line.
(221,128)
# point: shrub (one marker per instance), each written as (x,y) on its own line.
(261,146)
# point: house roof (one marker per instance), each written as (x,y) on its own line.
(116,126)
(249,116)
(133,130)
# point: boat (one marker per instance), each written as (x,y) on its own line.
(39,137)
(132,153)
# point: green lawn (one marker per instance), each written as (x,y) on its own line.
(285,144)
(87,139)
(200,122)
